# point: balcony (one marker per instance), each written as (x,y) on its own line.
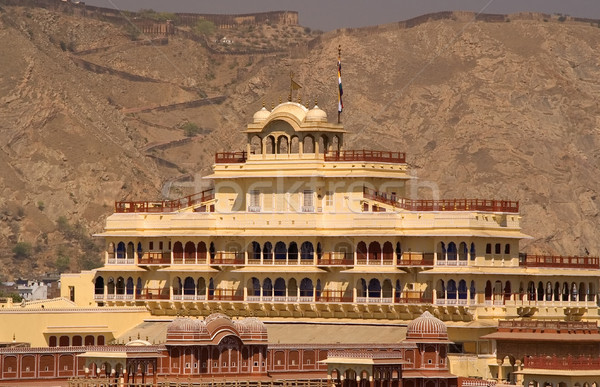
(366,155)
(336,258)
(335,296)
(225,295)
(230,157)
(153,294)
(155,258)
(556,261)
(415,259)
(423,205)
(228,258)
(547,326)
(164,205)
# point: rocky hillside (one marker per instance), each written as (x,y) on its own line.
(491,110)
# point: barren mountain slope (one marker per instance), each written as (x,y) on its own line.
(488,110)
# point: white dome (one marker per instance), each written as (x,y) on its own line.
(316,114)
(261,115)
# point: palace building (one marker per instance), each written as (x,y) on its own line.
(301,233)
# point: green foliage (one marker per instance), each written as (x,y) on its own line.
(562,18)
(89,261)
(157,16)
(204,27)
(62,263)
(40,205)
(132,31)
(15,297)
(190,129)
(22,250)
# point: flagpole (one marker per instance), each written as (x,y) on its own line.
(340,90)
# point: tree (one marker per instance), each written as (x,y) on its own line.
(205,27)
(22,250)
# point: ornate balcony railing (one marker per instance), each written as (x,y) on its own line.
(443,204)
(155,258)
(225,295)
(415,259)
(228,258)
(546,326)
(164,205)
(562,363)
(573,262)
(230,157)
(153,294)
(366,155)
(333,296)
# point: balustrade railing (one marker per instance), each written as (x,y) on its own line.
(366,155)
(154,258)
(415,259)
(164,205)
(562,363)
(230,157)
(423,205)
(574,262)
(228,258)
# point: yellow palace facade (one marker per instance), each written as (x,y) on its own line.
(299,227)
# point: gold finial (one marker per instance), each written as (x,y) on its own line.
(306,104)
(280,100)
(290,97)
(272,105)
(299,99)
(263,103)
(14,338)
(316,104)
(138,335)
(340,51)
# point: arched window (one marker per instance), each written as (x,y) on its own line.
(129,286)
(268,251)
(177,286)
(190,252)
(139,286)
(267,288)
(201,287)
(440,290)
(280,251)
(255,145)
(88,340)
(282,145)
(398,291)
(211,288)
(548,291)
(63,341)
(441,252)
(294,145)
(335,143)
(497,248)
(531,291)
(279,287)
(130,250)
(201,252)
(462,251)
(507,291)
(388,252)
(582,292)
(140,251)
(254,287)
(473,290)
(398,251)
(111,250)
(374,288)
(99,285)
(292,288)
(306,288)
(110,286)
(308,144)
(319,250)
(462,290)
(121,250)
(52,341)
(255,253)
(120,285)
(374,251)
(306,251)
(318,288)
(451,252)
(361,252)
(451,290)
(293,252)
(270,145)
(361,288)
(488,290)
(507,248)
(472,252)
(178,251)
(387,290)
(189,287)
(488,248)
(77,341)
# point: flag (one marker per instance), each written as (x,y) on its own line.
(340,91)
(295,85)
